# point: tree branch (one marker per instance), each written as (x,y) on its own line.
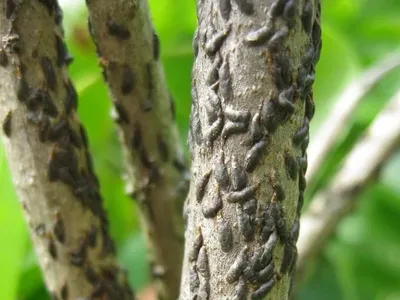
(252,103)
(49,159)
(360,167)
(129,53)
(341,113)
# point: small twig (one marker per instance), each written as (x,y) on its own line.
(361,165)
(338,119)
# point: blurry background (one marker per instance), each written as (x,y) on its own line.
(362,261)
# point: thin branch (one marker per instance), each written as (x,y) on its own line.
(48,154)
(341,113)
(158,178)
(360,167)
(251,107)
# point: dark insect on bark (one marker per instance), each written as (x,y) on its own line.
(214,130)
(240,290)
(276,41)
(245,6)
(7,124)
(3,58)
(225,236)
(59,230)
(291,166)
(63,57)
(48,72)
(58,130)
(118,30)
(172,106)
(156,46)
(250,207)
(123,116)
(310,107)
(302,181)
(221,172)
(202,263)
(285,100)
(307,17)
(211,207)
(49,4)
(195,43)
(290,12)
(52,248)
(237,267)
(225,85)
(90,275)
(254,155)
(231,128)
(225,8)
(289,254)
(127,80)
(301,133)
(238,175)
(64,291)
(92,236)
(205,288)
(71,99)
(194,280)
(197,244)
(137,138)
(202,185)
(269,247)
(215,42)
(269,116)
(241,116)
(259,36)
(78,256)
(35,100)
(74,138)
(276,8)
(303,162)
(280,223)
(246,226)
(277,187)
(243,195)
(266,274)
(49,106)
(213,112)
(10,8)
(256,131)
(162,148)
(212,77)
(263,290)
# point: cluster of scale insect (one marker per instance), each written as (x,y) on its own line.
(124,87)
(69,160)
(268,224)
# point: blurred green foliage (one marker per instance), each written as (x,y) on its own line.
(361,261)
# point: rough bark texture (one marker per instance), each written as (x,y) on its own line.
(129,53)
(48,153)
(252,103)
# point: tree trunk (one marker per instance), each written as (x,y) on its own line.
(129,53)
(49,159)
(252,103)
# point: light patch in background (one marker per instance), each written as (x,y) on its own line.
(72,10)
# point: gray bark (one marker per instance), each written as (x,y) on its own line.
(49,159)
(252,103)
(158,177)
